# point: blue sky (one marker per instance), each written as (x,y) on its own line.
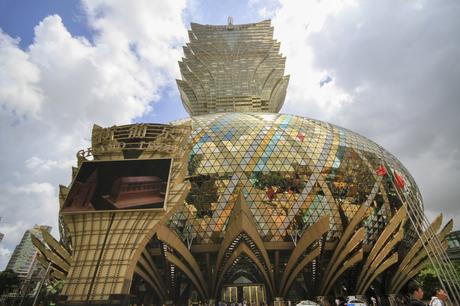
(388,70)
(18,18)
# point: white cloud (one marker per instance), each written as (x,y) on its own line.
(52,92)
(36,164)
(394,68)
(295,22)
(157,32)
(19,91)
(85,83)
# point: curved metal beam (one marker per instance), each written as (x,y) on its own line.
(144,264)
(414,272)
(414,268)
(170,238)
(243,248)
(414,250)
(331,274)
(55,245)
(382,246)
(49,255)
(379,259)
(138,270)
(180,265)
(357,257)
(242,221)
(312,233)
(348,232)
(385,265)
(411,266)
(306,260)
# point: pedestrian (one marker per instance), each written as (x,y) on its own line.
(416,295)
(439,297)
(373,301)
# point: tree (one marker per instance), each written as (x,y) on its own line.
(9,280)
(429,280)
(52,291)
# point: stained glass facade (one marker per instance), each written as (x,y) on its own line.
(292,171)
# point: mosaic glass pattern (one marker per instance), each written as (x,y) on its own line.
(291,170)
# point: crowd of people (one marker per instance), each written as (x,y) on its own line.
(439,296)
(415,298)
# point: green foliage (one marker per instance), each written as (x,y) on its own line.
(9,280)
(428,279)
(54,288)
(203,192)
(283,183)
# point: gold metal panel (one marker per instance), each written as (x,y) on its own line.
(242,221)
(169,237)
(49,255)
(179,264)
(306,260)
(55,273)
(379,259)
(314,232)
(146,262)
(55,246)
(150,281)
(357,257)
(414,251)
(108,245)
(330,273)
(383,246)
(385,265)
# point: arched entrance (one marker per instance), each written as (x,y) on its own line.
(244,290)
(243,282)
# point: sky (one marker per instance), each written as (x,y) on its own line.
(387,69)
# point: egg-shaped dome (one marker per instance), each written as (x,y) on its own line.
(291,171)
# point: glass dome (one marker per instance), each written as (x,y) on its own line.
(291,170)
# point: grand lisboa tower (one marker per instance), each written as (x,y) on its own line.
(238,202)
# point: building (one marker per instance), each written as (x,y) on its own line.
(23,261)
(453,239)
(258,206)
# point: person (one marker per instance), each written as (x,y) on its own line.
(439,297)
(416,295)
(373,301)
